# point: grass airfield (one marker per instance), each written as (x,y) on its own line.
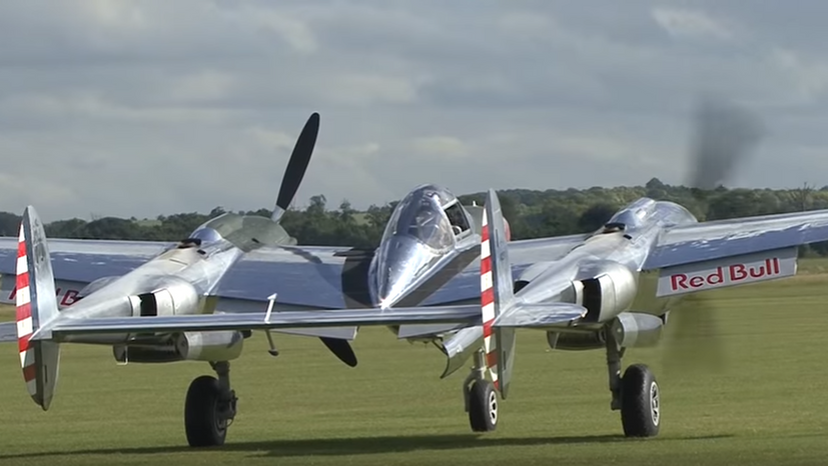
(767,402)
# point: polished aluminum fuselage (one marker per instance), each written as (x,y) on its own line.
(420,243)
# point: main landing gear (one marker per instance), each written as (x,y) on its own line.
(210,407)
(636,394)
(480,397)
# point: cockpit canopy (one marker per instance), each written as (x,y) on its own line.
(431,215)
(246,232)
(633,215)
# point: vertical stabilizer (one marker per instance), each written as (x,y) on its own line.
(496,294)
(36,307)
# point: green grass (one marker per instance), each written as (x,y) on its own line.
(766,405)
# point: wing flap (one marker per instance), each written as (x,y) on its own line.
(256,321)
(540,316)
(726,238)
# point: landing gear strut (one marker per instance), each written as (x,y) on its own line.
(210,407)
(636,394)
(480,397)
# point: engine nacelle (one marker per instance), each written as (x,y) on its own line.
(95,286)
(175,296)
(609,293)
(220,345)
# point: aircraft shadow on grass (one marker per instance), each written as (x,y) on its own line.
(366,445)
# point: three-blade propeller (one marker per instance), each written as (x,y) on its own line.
(724,136)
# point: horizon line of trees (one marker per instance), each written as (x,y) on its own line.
(531,214)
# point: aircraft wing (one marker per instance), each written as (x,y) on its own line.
(317,277)
(305,277)
(85,260)
(719,239)
(8,332)
(469,314)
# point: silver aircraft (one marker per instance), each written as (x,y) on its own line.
(443,273)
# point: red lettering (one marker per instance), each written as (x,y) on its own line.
(716,277)
(757,272)
(69,298)
(737,272)
(678,281)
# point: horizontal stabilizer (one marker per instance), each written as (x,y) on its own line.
(8,332)
(540,315)
(468,314)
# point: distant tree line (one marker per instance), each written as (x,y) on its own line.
(531,214)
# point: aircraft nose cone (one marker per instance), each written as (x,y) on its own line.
(398,265)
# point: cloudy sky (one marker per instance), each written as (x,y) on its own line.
(140,108)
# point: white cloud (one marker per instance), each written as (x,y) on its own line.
(807,78)
(143,108)
(439,147)
(684,22)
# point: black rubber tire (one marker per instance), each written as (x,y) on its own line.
(201,420)
(640,402)
(483,406)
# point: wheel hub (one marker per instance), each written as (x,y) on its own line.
(655,403)
(493,407)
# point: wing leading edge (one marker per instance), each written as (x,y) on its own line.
(306,277)
(707,241)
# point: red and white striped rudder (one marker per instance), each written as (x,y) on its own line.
(36,306)
(496,289)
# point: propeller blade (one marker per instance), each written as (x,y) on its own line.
(724,136)
(692,341)
(341,349)
(298,164)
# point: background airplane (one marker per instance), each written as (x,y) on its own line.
(585,291)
